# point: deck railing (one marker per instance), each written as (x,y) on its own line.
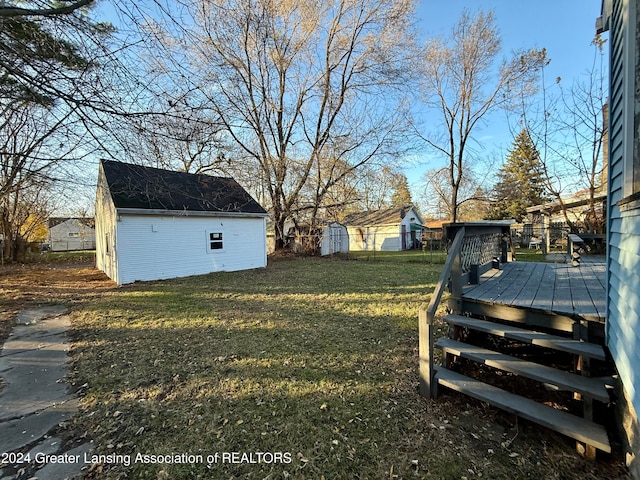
(474,249)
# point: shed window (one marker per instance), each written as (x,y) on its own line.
(215,241)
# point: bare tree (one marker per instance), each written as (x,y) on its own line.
(569,127)
(36,145)
(437,195)
(63,77)
(374,186)
(464,84)
(297,85)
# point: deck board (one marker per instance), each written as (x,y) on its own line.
(544,293)
(577,292)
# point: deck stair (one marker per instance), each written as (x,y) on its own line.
(563,344)
(554,354)
(584,430)
(570,425)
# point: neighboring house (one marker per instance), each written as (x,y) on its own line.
(620,18)
(335,239)
(433,235)
(393,229)
(154,224)
(547,225)
(67,234)
(576,206)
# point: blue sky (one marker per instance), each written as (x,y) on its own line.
(564,27)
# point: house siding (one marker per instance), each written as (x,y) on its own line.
(72,234)
(623,295)
(383,238)
(154,247)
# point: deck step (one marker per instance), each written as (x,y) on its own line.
(541,339)
(575,427)
(590,387)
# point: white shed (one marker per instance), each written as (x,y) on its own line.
(335,239)
(392,229)
(154,224)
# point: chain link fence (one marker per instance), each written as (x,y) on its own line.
(332,243)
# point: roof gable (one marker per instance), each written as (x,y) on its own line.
(389,216)
(147,188)
(86,221)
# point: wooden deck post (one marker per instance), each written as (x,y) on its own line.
(427,315)
(456,283)
(425,339)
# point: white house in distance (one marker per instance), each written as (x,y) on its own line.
(392,229)
(66,234)
(154,224)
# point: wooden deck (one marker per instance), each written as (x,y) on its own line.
(577,292)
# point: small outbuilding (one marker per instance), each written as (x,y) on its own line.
(335,239)
(392,229)
(154,224)
(67,234)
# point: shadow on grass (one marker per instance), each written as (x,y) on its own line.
(314,358)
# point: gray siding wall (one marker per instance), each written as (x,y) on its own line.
(623,322)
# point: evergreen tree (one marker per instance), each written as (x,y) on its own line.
(401,196)
(520,183)
(43,49)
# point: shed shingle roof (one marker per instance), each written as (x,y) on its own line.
(139,187)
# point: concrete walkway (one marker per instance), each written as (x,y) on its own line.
(34,396)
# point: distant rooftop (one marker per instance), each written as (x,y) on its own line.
(389,216)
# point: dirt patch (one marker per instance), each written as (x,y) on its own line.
(28,286)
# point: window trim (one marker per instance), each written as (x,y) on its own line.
(211,241)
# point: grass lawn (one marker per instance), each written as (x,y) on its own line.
(533,255)
(76,256)
(311,358)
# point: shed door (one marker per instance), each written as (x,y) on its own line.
(336,240)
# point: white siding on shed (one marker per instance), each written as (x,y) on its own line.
(106,258)
(389,235)
(152,247)
(335,239)
(380,238)
(155,224)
